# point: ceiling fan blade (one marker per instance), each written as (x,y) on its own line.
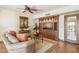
(30,11)
(26,6)
(34,9)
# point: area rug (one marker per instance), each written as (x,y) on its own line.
(44,47)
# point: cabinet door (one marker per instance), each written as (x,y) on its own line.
(55,26)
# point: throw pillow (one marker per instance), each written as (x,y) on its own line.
(22,37)
(13,33)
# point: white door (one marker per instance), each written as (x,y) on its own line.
(71,29)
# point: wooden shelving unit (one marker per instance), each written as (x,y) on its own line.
(49,33)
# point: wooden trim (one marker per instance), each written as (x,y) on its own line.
(58,28)
(71,15)
(77,28)
(47,17)
(65,36)
(23,17)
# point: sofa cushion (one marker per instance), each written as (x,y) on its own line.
(11,38)
(13,33)
(22,37)
(5,39)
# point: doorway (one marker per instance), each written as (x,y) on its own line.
(71,28)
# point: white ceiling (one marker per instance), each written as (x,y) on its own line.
(44,8)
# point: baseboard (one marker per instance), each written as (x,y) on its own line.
(69,42)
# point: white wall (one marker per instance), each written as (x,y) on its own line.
(59,11)
(61,27)
(9,20)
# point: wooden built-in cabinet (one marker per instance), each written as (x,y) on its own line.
(52,31)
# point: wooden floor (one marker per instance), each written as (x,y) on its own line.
(60,47)
(2,48)
(64,47)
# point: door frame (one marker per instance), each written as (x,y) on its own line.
(65,21)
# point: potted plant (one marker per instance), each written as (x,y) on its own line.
(36,28)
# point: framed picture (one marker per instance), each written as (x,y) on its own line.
(23,22)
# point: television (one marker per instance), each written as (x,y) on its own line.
(47,25)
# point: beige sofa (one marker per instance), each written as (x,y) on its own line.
(20,47)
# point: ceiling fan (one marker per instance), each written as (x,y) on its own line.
(30,9)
